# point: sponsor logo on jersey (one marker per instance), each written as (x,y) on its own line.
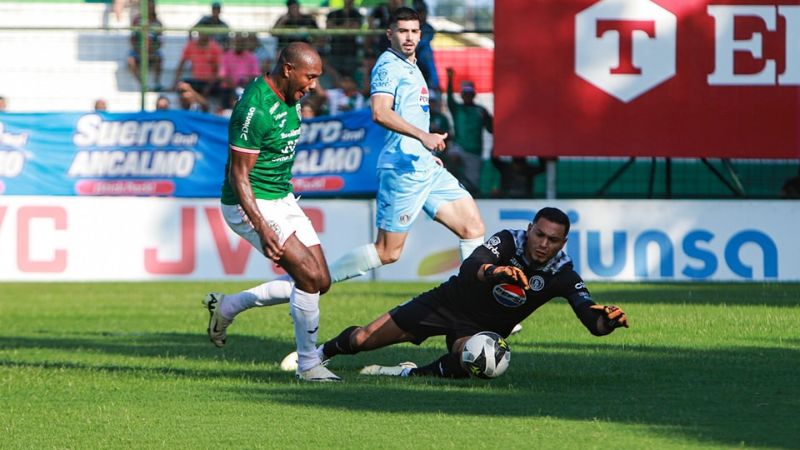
(381,78)
(273,108)
(494,241)
(280,115)
(536,283)
(580,285)
(509,295)
(424,99)
(246,125)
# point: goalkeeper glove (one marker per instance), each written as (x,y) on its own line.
(616,316)
(506,274)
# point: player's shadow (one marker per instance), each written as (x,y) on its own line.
(722,396)
(247,351)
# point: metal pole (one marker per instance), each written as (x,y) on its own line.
(144,50)
(550,166)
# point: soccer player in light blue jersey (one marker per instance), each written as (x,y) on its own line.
(411,178)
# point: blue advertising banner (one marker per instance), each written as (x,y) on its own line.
(170,153)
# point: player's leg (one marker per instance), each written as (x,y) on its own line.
(448,366)
(452,206)
(400,198)
(270,293)
(379,333)
(304,261)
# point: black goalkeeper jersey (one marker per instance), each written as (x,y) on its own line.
(500,307)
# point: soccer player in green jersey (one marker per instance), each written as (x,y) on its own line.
(258,204)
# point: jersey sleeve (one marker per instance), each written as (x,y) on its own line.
(497,250)
(247,128)
(573,288)
(384,80)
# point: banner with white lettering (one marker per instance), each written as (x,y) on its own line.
(170,153)
(673,78)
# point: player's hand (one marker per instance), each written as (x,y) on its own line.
(434,141)
(506,274)
(616,316)
(271,245)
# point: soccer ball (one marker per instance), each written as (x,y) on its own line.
(486,355)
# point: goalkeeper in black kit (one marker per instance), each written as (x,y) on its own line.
(504,281)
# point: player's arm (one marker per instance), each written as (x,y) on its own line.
(488,263)
(383,114)
(488,121)
(242,162)
(244,150)
(600,320)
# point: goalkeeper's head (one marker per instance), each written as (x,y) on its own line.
(547,234)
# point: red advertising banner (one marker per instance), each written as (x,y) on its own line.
(676,78)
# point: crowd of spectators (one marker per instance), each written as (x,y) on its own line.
(216,64)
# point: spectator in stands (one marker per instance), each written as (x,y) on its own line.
(3,104)
(344,51)
(364,72)
(163,103)
(517,175)
(238,67)
(379,20)
(100,105)
(791,187)
(345,97)
(425,59)
(295,19)
(118,6)
(214,21)
(307,110)
(469,121)
(189,99)
(204,54)
(262,53)
(440,124)
(153,46)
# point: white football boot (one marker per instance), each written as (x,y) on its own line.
(517,328)
(393,371)
(318,373)
(217,325)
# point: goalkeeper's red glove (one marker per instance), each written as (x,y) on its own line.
(506,274)
(616,316)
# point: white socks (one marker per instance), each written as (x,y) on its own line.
(354,263)
(270,293)
(468,245)
(304,308)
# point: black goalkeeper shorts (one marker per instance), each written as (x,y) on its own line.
(429,315)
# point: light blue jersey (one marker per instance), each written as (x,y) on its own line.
(393,74)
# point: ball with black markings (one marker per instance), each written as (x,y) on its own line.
(486,355)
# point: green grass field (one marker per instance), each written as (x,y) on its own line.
(128,365)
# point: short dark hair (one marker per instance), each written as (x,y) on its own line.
(554,215)
(403,13)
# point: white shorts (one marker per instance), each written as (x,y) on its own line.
(283,215)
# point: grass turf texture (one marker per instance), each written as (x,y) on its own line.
(128,365)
